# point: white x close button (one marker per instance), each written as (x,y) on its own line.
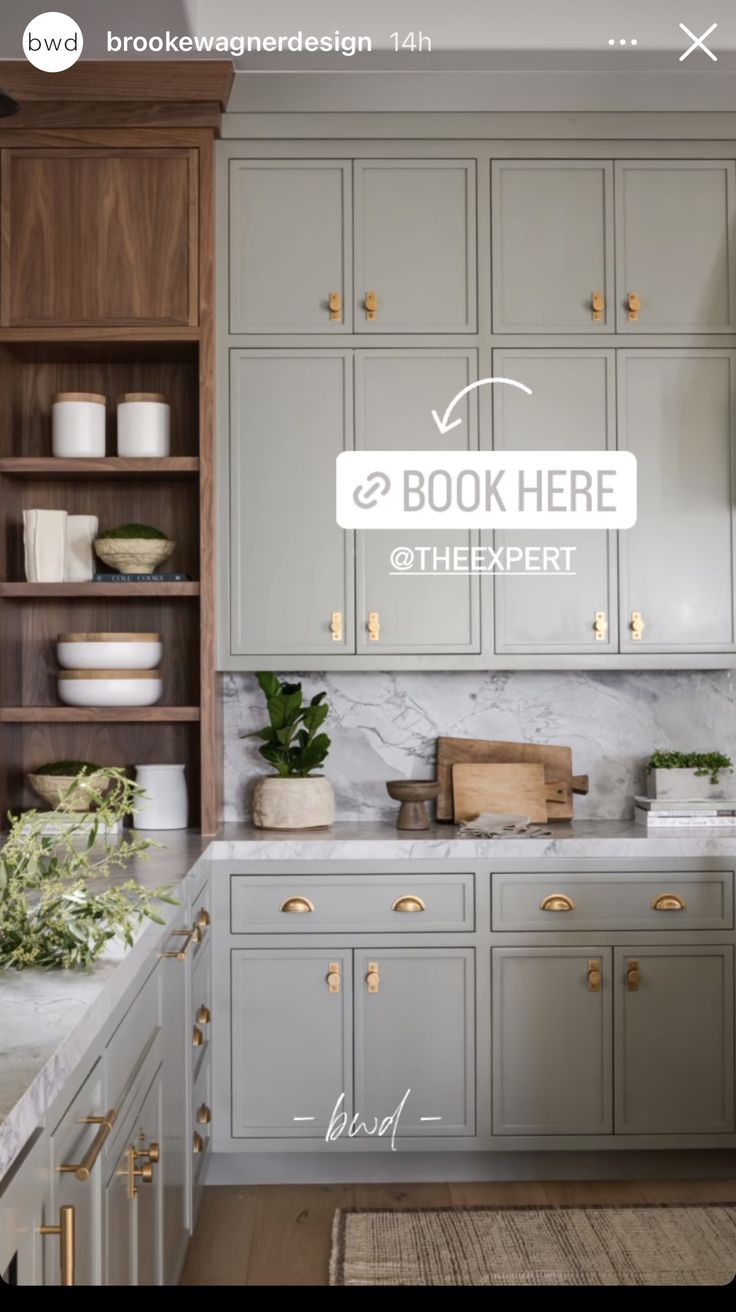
(698,42)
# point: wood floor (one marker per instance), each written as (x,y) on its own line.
(280,1234)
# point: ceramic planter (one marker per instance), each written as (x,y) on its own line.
(293,803)
(686,785)
(134,555)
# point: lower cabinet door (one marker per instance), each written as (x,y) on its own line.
(73,1139)
(291,1040)
(552,1047)
(414,1040)
(175,1170)
(148,1203)
(133,1200)
(674,1040)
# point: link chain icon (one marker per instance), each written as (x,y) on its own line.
(368,494)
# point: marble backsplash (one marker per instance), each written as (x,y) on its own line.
(384,726)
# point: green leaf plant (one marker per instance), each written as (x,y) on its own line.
(292,743)
(703,763)
(53,912)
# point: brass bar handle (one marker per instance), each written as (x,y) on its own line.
(333,977)
(65,1231)
(595,976)
(336,625)
(409,903)
(204,1115)
(557,902)
(633,304)
(600,626)
(633,977)
(598,305)
(370,304)
(82,1170)
(374,626)
(190,936)
(669,902)
(373,978)
(637,625)
(197,1143)
(301,905)
(334,302)
(203,1016)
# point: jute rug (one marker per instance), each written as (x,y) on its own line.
(646,1245)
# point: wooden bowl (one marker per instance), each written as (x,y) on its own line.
(413,793)
(134,555)
(52,787)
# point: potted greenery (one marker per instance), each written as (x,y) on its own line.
(690,776)
(134,548)
(74,780)
(293,798)
(53,912)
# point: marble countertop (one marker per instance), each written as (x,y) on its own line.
(49,1020)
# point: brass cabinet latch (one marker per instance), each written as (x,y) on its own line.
(600,626)
(637,625)
(598,305)
(594,976)
(632,976)
(374,626)
(370,305)
(333,977)
(373,978)
(334,302)
(336,625)
(633,303)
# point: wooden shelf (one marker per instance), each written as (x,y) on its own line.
(52,467)
(35,591)
(99,714)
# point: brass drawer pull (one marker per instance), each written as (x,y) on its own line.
(336,625)
(633,304)
(204,920)
(197,1142)
(373,978)
(334,302)
(301,905)
(409,903)
(595,976)
(598,305)
(65,1231)
(333,977)
(190,936)
(633,978)
(203,1016)
(600,626)
(669,902)
(371,305)
(204,1115)
(82,1170)
(637,625)
(197,1037)
(557,902)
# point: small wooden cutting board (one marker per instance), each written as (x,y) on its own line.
(557,762)
(504,789)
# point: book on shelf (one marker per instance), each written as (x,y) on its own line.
(141,578)
(659,820)
(685,806)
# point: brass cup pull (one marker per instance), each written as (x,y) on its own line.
(557,902)
(600,626)
(204,1115)
(203,1016)
(82,1170)
(65,1231)
(333,977)
(334,302)
(197,1037)
(633,304)
(204,920)
(374,626)
(301,905)
(669,902)
(598,305)
(336,625)
(197,1143)
(409,903)
(633,977)
(373,978)
(190,936)
(595,976)
(637,625)
(370,305)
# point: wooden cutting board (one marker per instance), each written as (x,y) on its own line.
(557,762)
(505,789)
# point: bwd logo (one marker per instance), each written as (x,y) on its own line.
(52,41)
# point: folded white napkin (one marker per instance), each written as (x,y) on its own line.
(81,532)
(44,539)
(489,824)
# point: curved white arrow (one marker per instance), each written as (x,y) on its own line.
(443,424)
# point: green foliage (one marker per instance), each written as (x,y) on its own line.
(292,743)
(53,914)
(135,531)
(68,769)
(703,763)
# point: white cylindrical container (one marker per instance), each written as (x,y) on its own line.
(78,425)
(165,805)
(143,425)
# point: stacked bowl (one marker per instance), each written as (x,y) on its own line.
(109,669)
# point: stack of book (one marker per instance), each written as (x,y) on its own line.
(674,813)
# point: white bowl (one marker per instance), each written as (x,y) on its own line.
(110,687)
(109,651)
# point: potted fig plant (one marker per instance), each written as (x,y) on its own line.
(291,742)
(690,776)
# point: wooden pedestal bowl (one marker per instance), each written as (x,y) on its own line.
(413,793)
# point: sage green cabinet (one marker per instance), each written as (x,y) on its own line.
(675,246)
(291,566)
(552,228)
(133,1237)
(395,391)
(675,413)
(674,1033)
(415,1038)
(551,1041)
(415,245)
(289,240)
(70,1142)
(571,608)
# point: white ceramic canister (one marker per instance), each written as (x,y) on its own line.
(144,421)
(165,805)
(78,425)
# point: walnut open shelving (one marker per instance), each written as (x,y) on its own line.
(97,591)
(54,467)
(99,715)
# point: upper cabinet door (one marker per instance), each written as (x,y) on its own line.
(99,237)
(290,229)
(291,566)
(675,246)
(415,258)
(571,606)
(552,246)
(675,413)
(420,610)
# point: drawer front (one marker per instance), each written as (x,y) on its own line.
(132,1039)
(349,904)
(630,901)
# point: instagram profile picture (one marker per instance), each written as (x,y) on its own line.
(52,41)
